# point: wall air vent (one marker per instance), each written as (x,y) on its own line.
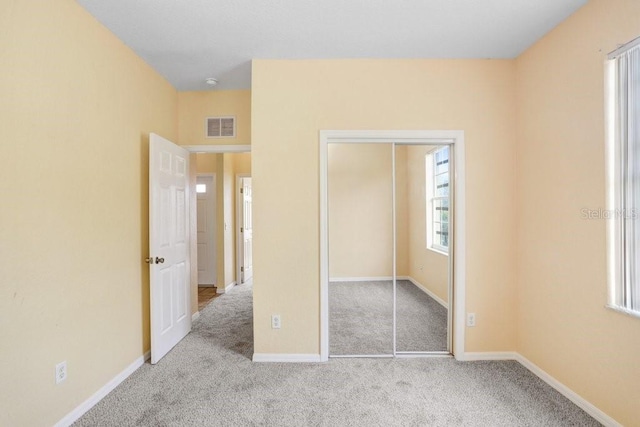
(221,127)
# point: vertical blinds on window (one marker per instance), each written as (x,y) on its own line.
(628,120)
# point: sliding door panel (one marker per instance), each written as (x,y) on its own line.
(422,260)
(360,195)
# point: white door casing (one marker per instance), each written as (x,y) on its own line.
(247,230)
(168,245)
(244,236)
(206,227)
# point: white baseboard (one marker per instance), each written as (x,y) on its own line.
(226,289)
(360,279)
(82,409)
(495,355)
(578,400)
(581,402)
(283,357)
(194,316)
(427,291)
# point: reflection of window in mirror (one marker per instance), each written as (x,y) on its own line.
(437,188)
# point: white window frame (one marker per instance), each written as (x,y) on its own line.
(623,284)
(430,176)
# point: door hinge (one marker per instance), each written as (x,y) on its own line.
(242,229)
(241,190)
(242,269)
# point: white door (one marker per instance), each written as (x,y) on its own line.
(205,190)
(247,231)
(168,245)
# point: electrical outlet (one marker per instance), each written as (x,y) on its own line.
(471,319)
(275,321)
(61,372)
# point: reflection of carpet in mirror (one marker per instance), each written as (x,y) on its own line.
(361,318)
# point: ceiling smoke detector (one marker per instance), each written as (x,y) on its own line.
(211,81)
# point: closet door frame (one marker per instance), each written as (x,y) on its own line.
(456,315)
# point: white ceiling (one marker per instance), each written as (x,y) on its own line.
(189,40)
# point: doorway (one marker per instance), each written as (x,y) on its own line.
(244,227)
(224,166)
(398,296)
(206,238)
(206,229)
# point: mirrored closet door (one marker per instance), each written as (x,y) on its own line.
(360,213)
(422,206)
(389,234)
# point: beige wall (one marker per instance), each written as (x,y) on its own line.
(562,285)
(429,268)
(76,108)
(293,100)
(195,107)
(207,163)
(242,163)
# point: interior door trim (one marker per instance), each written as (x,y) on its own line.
(217,149)
(238,234)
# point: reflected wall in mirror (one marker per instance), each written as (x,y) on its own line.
(360,196)
(363,245)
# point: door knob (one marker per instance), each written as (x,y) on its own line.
(149,260)
(159,260)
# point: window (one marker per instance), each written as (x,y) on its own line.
(437,178)
(201,188)
(623,178)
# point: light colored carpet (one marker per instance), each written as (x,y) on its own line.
(421,320)
(361,318)
(209,380)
